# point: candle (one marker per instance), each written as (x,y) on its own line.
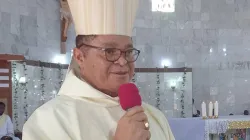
(204,109)
(210,109)
(216,109)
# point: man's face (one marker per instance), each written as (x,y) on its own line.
(100,73)
(2,108)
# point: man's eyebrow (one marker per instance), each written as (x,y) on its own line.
(107,44)
(113,44)
(129,46)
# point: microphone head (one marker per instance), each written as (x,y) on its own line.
(129,96)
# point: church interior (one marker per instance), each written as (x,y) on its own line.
(194,62)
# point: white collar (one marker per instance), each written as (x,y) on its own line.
(75,87)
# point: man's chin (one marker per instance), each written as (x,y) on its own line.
(120,82)
(116,82)
(122,78)
(116,85)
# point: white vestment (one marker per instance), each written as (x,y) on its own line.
(6,127)
(81,112)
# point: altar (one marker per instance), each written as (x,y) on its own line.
(208,129)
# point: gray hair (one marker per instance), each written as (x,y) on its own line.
(74,66)
(84,39)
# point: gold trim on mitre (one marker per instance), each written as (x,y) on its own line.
(103,17)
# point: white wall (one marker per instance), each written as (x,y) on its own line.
(185,37)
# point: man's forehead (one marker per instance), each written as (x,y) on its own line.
(115,44)
(114,41)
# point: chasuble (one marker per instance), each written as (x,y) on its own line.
(81,112)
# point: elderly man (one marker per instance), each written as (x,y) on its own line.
(87,107)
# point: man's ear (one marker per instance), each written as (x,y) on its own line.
(78,55)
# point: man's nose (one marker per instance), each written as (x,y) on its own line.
(122,61)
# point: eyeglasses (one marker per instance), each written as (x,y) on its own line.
(113,54)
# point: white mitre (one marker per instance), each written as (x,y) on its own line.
(102,17)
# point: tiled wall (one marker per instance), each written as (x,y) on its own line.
(211,36)
(171,88)
(25,102)
(32,28)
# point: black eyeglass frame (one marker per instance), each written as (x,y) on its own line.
(105,51)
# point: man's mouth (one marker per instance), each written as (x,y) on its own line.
(121,73)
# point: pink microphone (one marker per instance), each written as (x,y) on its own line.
(129,96)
